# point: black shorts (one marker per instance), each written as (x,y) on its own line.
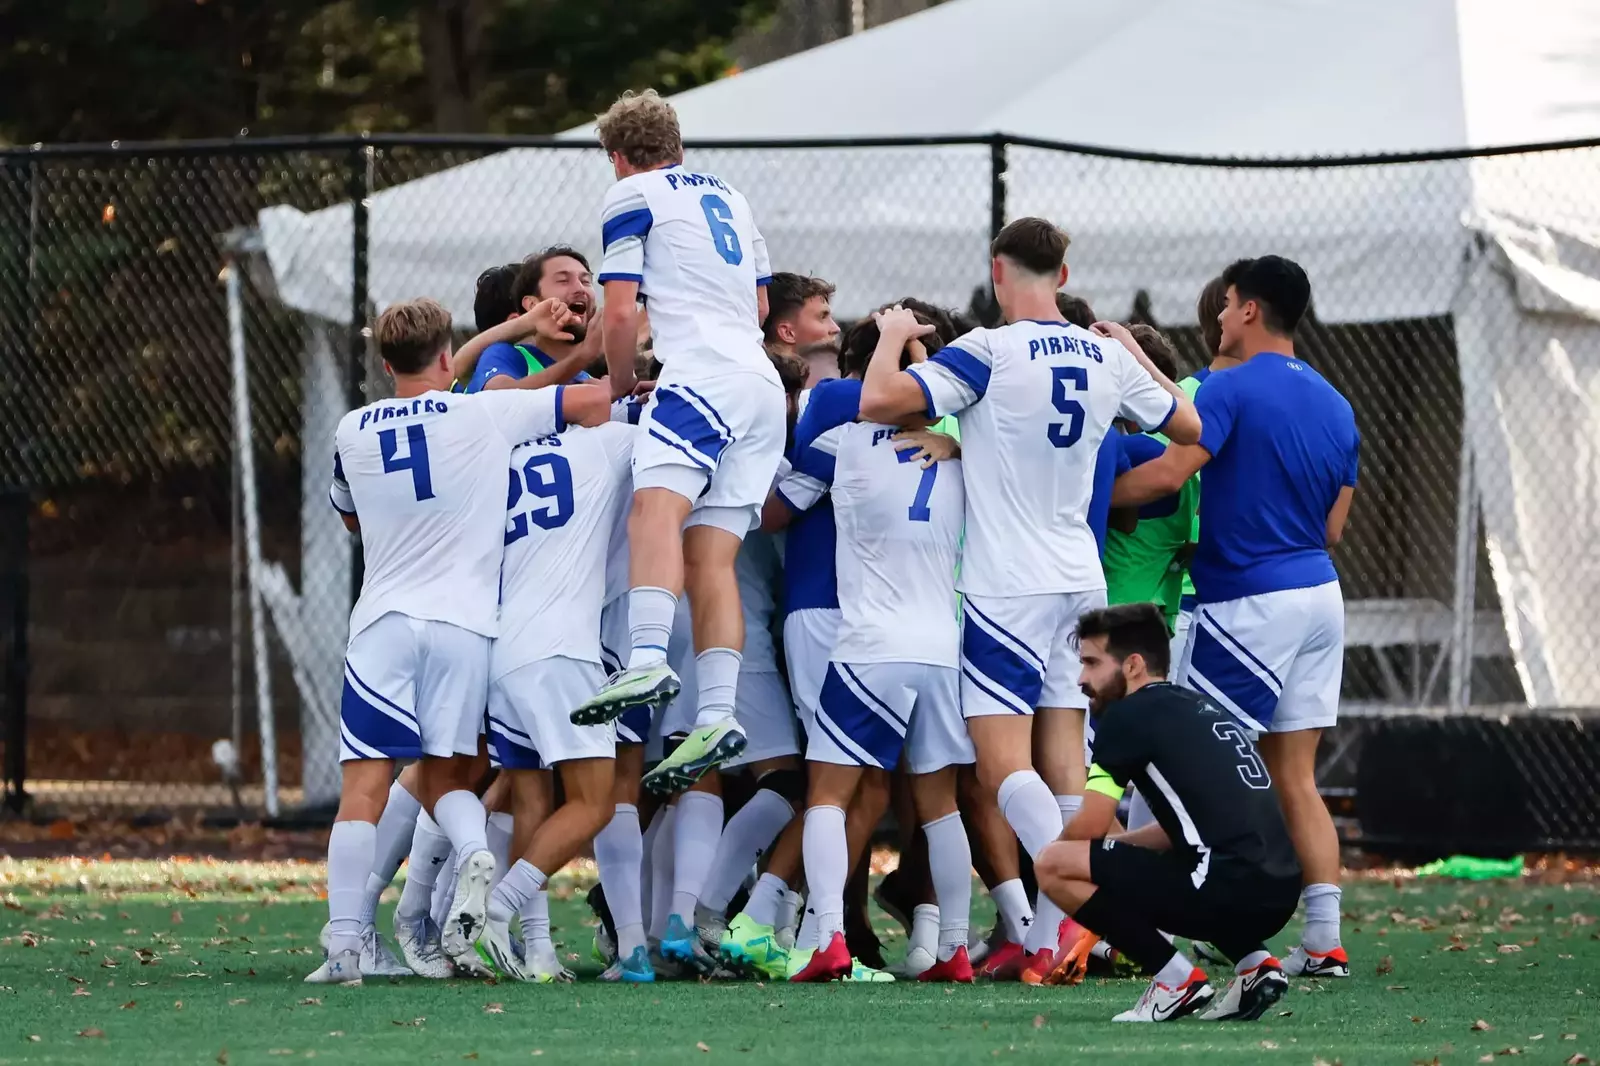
(1233,905)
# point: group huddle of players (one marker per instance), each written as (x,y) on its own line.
(982,552)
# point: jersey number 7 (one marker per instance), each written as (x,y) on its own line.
(919,510)
(415,459)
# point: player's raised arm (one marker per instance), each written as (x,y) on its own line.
(889,394)
(1174,415)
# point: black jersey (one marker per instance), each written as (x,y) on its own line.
(1199,771)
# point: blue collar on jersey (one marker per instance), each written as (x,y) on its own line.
(1045,321)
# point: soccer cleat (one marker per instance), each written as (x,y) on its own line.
(702,750)
(1209,953)
(1037,966)
(751,945)
(339,968)
(1004,962)
(1159,1003)
(469,908)
(1303,963)
(1249,995)
(861,973)
(957,969)
(711,926)
(1072,961)
(633,970)
(418,938)
(498,954)
(918,960)
(682,945)
(543,967)
(603,949)
(653,685)
(376,958)
(979,946)
(832,963)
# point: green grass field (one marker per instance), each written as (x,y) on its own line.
(202,962)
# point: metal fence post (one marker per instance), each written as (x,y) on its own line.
(997,185)
(360,179)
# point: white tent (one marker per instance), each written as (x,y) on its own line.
(1223,78)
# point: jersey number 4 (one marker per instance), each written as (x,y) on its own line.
(719,216)
(415,459)
(547,477)
(919,510)
(1066,434)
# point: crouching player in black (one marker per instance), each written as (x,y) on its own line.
(1216,865)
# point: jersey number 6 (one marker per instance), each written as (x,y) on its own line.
(719,216)
(548,477)
(1066,434)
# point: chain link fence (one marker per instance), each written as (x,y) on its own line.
(183,327)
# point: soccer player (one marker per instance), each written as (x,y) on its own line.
(567,493)
(1216,864)
(496,356)
(800,322)
(891,686)
(1034,399)
(713,431)
(1280,452)
(421,477)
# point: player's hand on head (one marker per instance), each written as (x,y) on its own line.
(1117,332)
(898,322)
(926,446)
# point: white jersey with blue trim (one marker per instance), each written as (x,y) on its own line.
(568,492)
(426,478)
(758,569)
(691,243)
(1034,400)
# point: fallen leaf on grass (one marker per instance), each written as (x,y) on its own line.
(540,1051)
(470,1055)
(1576,1060)
(76,980)
(177,917)
(1325,1062)
(311,1001)
(222,1057)
(34,1038)
(701,1044)
(1038,1021)
(1417,1019)
(414,1023)
(108,963)
(237,1002)
(337,1032)
(1509,1051)
(1396,988)
(1509,949)
(1270,1045)
(93,1034)
(280,1051)
(82,992)
(1386,966)
(132,1003)
(1481,1026)
(494,1008)
(177,1005)
(1569,1036)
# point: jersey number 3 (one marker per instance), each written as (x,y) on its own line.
(1251,770)
(719,216)
(549,477)
(1066,434)
(415,459)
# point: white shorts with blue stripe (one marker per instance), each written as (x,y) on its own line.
(715,439)
(1018,653)
(529,727)
(412,687)
(870,713)
(1275,661)
(808,636)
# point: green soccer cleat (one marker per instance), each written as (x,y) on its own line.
(861,973)
(750,945)
(653,685)
(702,750)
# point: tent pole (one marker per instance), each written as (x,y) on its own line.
(997,185)
(242,442)
(1466,580)
(360,190)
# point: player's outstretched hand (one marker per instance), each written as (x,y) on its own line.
(926,445)
(553,319)
(902,324)
(1117,332)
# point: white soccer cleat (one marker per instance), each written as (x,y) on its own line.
(711,925)
(498,956)
(376,958)
(1162,1004)
(542,966)
(418,938)
(469,909)
(339,968)
(917,960)
(1303,963)
(1249,995)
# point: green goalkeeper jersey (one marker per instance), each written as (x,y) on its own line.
(1191,385)
(1142,566)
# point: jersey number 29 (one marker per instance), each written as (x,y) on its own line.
(548,477)
(719,216)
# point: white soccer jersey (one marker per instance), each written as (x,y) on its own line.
(899,529)
(1034,400)
(691,243)
(567,494)
(758,568)
(426,478)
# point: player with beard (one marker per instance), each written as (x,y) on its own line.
(1217,864)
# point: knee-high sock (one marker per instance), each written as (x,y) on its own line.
(619,853)
(497,832)
(699,828)
(766,900)
(396,829)
(520,884)
(444,891)
(650,612)
(748,834)
(430,850)
(827,858)
(462,817)
(1322,917)
(350,851)
(1031,810)
(661,859)
(950,862)
(1011,902)
(716,672)
(535,913)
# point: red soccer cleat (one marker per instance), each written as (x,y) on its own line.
(957,969)
(1003,963)
(1037,967)
(829,964)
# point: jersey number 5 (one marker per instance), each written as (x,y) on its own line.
(919,510)
(1251,770)
(1066,434)
(719,216)
(548,477)
(415,459)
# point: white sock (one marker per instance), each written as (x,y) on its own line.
(746,837)
(497,831)
(650,611)
(535,914)
(788,911)
(429,851)
(1030,809)
(1068,806)
(695,840)
(647,857)
(1322,918)
(462,817)
(716,672)
(444,891)
(766,900)
(619,853)
(520,884)
(924,930)
(950,863)
(1045,932)
(1251,961)
(1176,971)
(350,851)
(827,858)
(395,831)
(806,938)
(661,859)
(1011,902)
